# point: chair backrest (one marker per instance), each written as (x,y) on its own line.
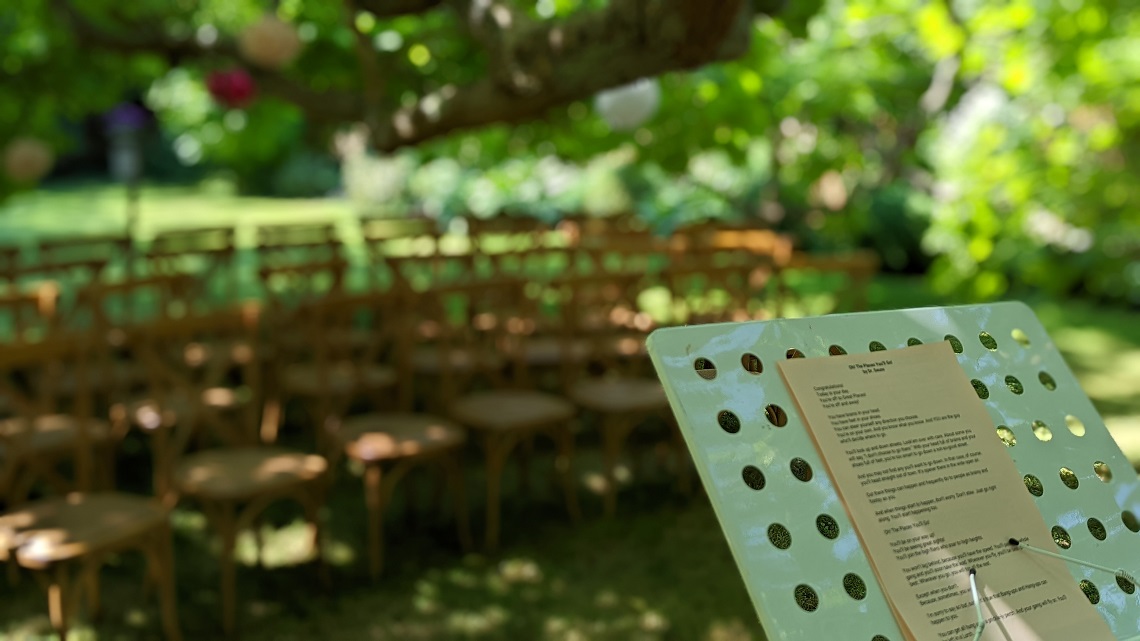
(132,302)
(715,293)
(28,315)
(9,263)
(204,383)
(28,393)
(389,241)
(208,253)
(296,243)
(476,331)
(291,286)
(858,267)
(106,248)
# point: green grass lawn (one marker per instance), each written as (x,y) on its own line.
(660,570)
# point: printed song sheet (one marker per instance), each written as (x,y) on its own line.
(932,494)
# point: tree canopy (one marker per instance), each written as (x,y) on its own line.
(990,142)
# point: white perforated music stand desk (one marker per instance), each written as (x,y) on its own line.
(1094,505)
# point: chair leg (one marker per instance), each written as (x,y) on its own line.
(227,526)
(564,437)
(312,506)
(374,501)
(167,592)
(684,468)
(259,542)
(525,457)
(615,429)
(454,471)
(498,447)
(90,578)
(59,598)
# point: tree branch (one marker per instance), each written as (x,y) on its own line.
(329,106)
(496,26)
(578,57)
(394,8)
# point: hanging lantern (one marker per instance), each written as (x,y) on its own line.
(232,89)
(627,108)
(27,160)
(270,43)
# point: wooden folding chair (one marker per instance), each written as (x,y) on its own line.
(286,244)
(311,357)
(208,253)
(702,291)
(388,442)
(476,330)
(603,313)
(858,268)
(9,264)
(234,481)
(65,540)
(394,238)
(79,260)
(27,319)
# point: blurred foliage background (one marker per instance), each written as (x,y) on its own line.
(990,145)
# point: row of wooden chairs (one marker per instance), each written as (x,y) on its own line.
(498,346)
(191,362)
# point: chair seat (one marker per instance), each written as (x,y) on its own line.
(511,410)
(200,354)
(384,436)
(550,350)
(52,433)
(620,395)
(117,375)
(427,360)
(338,378)
(145,412)
(245,472)
(64,528)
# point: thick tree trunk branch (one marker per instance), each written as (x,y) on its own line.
(577,58)
(394,8)
(496,26)
(535,66)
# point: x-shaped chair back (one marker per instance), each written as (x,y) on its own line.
(286,244)
(204,379)
(26,401)
(29,315)
(712,294)
(478,332)
(208,253)
(395,238)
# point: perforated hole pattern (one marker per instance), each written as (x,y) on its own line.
(1020,379)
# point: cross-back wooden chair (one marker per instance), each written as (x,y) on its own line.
(209,253)
(408,250)
(284,244)
(502,239)
(858,268)
(29,314)
(9,264)
(603,313)
(488,323)
(110,310)
(392,441)
(419,273)
(238,476)
(704,292)
(78,261)
(109,248)
(28,318)
(65,540)
(316,352)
